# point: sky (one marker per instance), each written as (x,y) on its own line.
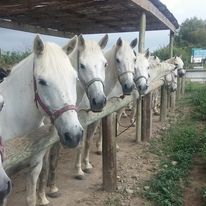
(182,9)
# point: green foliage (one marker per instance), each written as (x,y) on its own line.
(198,100)
(178,145)
(191,34)
(10,58)
(112,202)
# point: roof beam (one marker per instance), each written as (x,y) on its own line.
(8,24)
(151,8)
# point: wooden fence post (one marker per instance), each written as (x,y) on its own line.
(147,117)
(172,97)
(163,106)
(183,86)
(109,153)
(173,100)
(178,87)
(138,119)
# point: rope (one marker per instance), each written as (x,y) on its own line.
(127,127)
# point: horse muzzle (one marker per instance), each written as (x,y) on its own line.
(181,73)
(71,139)
(97,103)
(127,88)
(5,189)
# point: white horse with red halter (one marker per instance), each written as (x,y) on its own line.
(88,60)
(42,85)
(5,182)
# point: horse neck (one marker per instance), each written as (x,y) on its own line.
(20,114)
(158,70)
(111,77)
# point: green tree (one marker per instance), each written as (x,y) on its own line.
(192,33)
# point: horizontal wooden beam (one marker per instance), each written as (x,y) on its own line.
(151,8)
(8,24)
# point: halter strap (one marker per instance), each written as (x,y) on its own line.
(2,149)
(89,83)
(140,77)
(127,72)
(52,114)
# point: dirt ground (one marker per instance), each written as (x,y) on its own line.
(135,164)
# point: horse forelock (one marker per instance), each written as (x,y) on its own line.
(54,60)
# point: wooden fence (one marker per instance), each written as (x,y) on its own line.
(21,149)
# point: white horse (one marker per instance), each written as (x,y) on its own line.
(88,60)
(5,182)
(141,79)
(119,81)
(42,85)
(179,64)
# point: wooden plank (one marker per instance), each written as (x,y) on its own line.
(109,154)
(147,117)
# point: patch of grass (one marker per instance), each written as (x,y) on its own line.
(10,58)
(178,146)
(112,201)
(176,149)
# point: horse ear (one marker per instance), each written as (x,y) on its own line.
(38,47)
(69,47)
(119,42)
(103,41)
(155,57)
(133,43)
(81,42)
(180,56)
(175,57)
(147,53)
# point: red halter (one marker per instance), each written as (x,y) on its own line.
(52,114)
(1,149)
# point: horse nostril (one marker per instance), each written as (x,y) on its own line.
(105,100)
(125,86)
(9,186)
(94,101)
(67,137)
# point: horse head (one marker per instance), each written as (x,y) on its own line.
(125,63)
(91,68)
(54,82)
(141,74)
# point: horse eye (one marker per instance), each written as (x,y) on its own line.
(43,82)
(106,64)
(82,66)
(118,61)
